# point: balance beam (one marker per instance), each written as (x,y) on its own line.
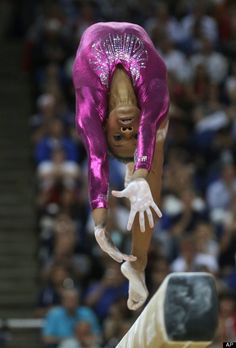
(183,313)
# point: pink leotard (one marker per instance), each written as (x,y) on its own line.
(102,47)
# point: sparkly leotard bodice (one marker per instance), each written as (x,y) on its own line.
(103,46)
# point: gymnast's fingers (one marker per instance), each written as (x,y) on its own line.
(142,221)
(131,219)
(130,258)
(150,217)
(157,210)
(118,193)
(116,255)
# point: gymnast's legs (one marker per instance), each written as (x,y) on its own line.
(141,240)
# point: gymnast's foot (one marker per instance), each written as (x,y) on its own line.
(107,245)
(138,292)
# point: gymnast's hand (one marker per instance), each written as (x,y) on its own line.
(107,245)
(140,196)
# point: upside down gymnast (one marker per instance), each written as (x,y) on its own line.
(122,106)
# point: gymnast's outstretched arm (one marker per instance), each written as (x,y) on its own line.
(90,125)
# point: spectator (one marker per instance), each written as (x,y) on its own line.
(230,90)
(198,24)
(112,287)
(46,106)
(64,247)
(191,260)
(58,170)
(84,338)
(87,17)
(61,321)
(73,202)
(227,318)
(181,214)
(50,294)
(175,60)
(200,85)
(185,262)
(205,240)
(220,192)
(50,46)
(162,24)
(227,257)
(116,324)
(159,270)
(64,235)
(55,138)
(212,61)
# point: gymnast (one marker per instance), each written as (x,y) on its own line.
(122,106)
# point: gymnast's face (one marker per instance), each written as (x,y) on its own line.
(122,130)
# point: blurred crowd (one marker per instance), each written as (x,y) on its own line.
(82,292)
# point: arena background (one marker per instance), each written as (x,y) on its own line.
(46,233)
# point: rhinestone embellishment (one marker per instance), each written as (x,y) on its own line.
(118,48)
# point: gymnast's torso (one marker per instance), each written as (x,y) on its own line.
(105,45)
(102,48)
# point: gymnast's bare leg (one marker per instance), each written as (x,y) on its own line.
(134,271)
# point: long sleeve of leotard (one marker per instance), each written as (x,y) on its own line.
(153,100)
(90,126)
